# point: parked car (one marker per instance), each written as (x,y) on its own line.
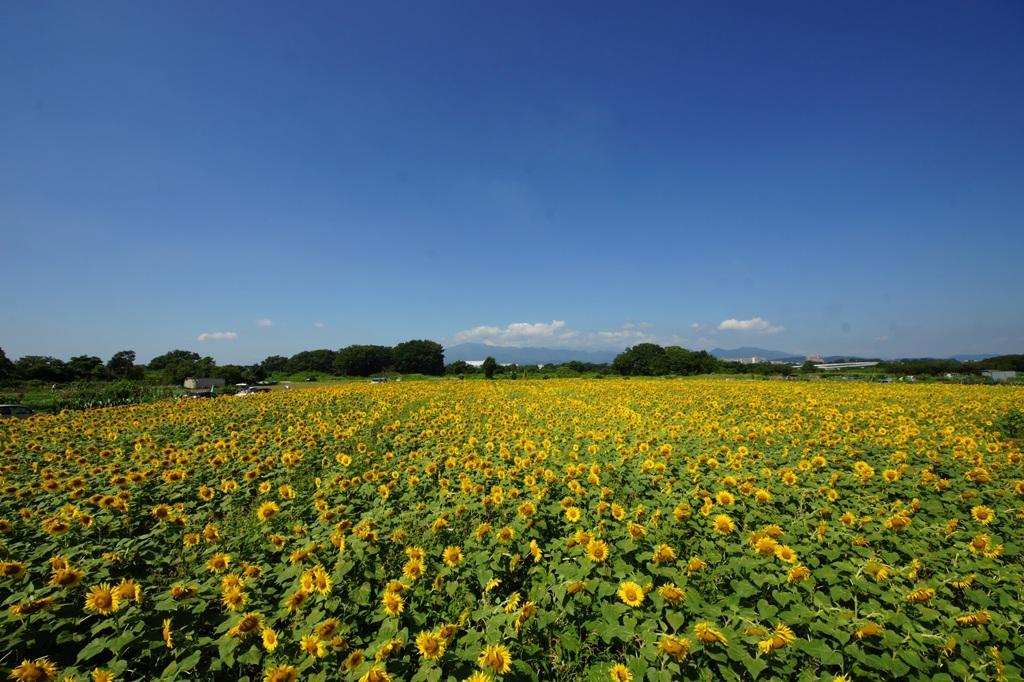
(253,389)
(200,394)
(378,380)
(16,411)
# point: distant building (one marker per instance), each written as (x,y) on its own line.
(996,375)
(192,383)
(746,361)
(813,358)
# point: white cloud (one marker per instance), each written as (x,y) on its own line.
(517,334)
(218,336)
(880,338)
(264,322)
(553,335)
(697,326)
(754,325)
(319,325)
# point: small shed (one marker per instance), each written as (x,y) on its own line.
(193,383)
(997,375)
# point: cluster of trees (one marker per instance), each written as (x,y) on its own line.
(80,368)
(649,359)
(426,357)
(410,357)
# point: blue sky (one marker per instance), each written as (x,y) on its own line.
(246,179)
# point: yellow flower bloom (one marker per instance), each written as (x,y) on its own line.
(102,599)
(678,649)
(250,624)
(663,554)
(723,524)
(620,673)
(496,657)
(39,670)
(430,645)
(631,593)
(393,603)
(282,673)
(452,556)
(597,550)
(983,515)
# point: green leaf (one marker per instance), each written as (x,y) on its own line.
(675,619)
(755,666)
(91,649)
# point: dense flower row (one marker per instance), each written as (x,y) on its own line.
(547,530)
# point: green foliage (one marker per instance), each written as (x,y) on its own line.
(489,367)
(419,357)
(1011,424)
(363,361)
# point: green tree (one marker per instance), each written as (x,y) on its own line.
(122,366)
(459,367)
(42,368)
(644,359)
(312,361)
(274,363)
(362,361)
(489,367)
(7,368)
(419,357)
(87,367)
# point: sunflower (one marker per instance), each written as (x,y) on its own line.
(128,589)
(496,657)
(708,636)
(413,569)
(12,569)
(535,551)
(576,587)
(671,593)
(393,603)
(725,498)
(31,607)
(572,514)
(218,563)
(67,577)
(785,553)
(250,624)
(39,670)
(102,675)
(234,599)
(695,564)
(267,511)
(281,673)
(798,573)
(182,592)
(597,550)
(676,648)
(505,534)
(376,674)
(620,673)
(430,645)
(529,608)
(297,599)
(723,524)
(167,634)
(766,545)
(631,593)
(102,599)
(326,629)
(452,555)
(982,514)
(313,646)
(870,630)
(920,595)
(354,660)
(269,637)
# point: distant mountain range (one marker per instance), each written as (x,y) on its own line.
(557,356)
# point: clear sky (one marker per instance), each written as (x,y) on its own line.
(245,179)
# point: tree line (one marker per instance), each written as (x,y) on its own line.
(427,357)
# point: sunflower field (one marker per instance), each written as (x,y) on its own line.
(549,530)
